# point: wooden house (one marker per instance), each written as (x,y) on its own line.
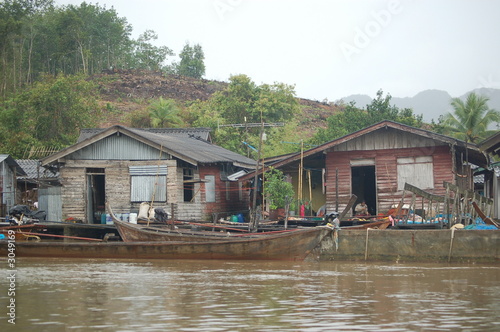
(177,168)
(40,188)
(375,163)
(491,178)
(9,171)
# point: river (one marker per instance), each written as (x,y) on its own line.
(136,295)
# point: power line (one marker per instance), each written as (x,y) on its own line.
(249,125)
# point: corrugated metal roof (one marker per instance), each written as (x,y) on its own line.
(203,133)
(195,149)
(12,163)
(475,155)
(188,147)
(30,167)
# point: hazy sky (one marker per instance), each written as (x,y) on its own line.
(332,49)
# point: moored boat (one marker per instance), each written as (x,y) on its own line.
(379,224)
(140,233)
(290,246)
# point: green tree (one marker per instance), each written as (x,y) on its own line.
(471,119)
(164,114)
(352,119)
(148,56)
(51,113)
(277,189)
(243,102)
(191,63)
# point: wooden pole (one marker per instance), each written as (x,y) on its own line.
(254,223)
(156,182)
(310,189)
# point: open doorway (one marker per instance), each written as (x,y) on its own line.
(364,187)
(96,195)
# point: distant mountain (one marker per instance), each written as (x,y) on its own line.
(430,103)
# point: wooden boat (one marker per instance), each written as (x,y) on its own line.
(290,246)
(139,233)
(380,224)
(20,232)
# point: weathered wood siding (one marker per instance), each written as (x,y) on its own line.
(385,170)
(117,185)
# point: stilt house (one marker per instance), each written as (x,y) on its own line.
(170,168)
(375,163)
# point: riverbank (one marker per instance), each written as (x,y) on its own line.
(457,246)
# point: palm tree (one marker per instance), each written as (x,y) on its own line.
(470,119)
(164,114)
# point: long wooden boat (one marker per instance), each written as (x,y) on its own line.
(291,246)
(138,233)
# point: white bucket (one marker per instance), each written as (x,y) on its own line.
(125,217)
(133,218)
(109,221)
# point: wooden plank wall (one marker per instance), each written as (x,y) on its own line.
(74,188)
(386,173)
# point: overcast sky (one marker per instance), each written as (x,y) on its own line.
(332,49)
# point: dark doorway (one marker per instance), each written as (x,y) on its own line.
(363,186)
(188,184)
(96,195)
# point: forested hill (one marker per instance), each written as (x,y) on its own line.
(125,91)
(69,67)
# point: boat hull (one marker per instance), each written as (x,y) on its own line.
(134,233)
(292,246)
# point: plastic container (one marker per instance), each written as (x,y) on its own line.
(240,218)
(109,221)
(125,217)
(133,218)
(234,218)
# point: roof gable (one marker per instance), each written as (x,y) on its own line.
(425,137)
(190,149)
(201,133)
(12,164)
(491,145)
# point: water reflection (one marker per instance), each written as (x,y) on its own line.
(78,295)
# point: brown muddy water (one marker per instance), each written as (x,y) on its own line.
(135,295)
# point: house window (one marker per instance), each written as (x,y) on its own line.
(210,188)
(417,171)
(148,183)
